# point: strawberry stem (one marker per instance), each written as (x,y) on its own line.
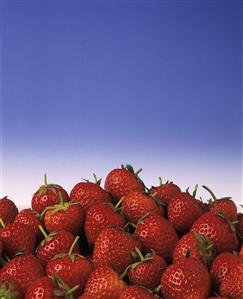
(160,181)
(72,246)
(2,223)
(119,202)
(137,250)
(138,171)
(72,290)
(211,192)
(43,231)
(45,180)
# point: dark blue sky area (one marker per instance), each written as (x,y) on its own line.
(110,76)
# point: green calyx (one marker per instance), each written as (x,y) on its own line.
(230,223)
(7,292)
(63,289)
(131,169)
(214,198)
(2,223)
(53,187)
(205,248)
(194,192)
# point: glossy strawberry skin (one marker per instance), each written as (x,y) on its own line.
(8,210)
(88,193)
(190,244)
(183,210)
(31,219)
(148,273)
(120,182)
(99,216)
(48,195)
(24,270)
(72,270)
(55,243)
(136,205)
(17,237)
(225,206)
(157,233)
(165,192)
(70,218)
(136,292)
(218,232)
(42,288)
(186,279)
(104,283)
(241,252)
(232,285)
(114,248)
(221,266)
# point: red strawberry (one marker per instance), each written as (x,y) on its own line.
(72,268)
(164,192)
(218,297)
(221,266)
(31,219)
(8,210)
(157,233)
(47,195)
(218,232)
(186,279)
(49,288)
(114,248)
(241,253)
(55,243)
(223,205)
(24,269)
(99,216)
(9,288)
(120,182)
(183,209)
(232,285)
(194,245)
(44,288)
(148,271)
(103,283)
(88,193)
(17,237)
(136,205)
(136,292)
(65,215)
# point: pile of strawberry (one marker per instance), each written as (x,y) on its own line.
(125,241)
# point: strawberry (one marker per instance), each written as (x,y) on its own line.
(17,237)
(220,233)
(72,268)
(65,215)
(120,182)
(49,288)
(8,210)
(88,193)
(9,288)
(164,192)
(114,248)
(232,285)
(136,292)
(157,233)
(23,269)
(223,205)
(47,195)
(30,218)
(148,271)
(136,205)
(186,279)
(183,209)
(194,245)
(55,243)
(221,266)
(99,216)
(104,283)
(218,297)
(241,252)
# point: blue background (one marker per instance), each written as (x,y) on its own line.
(87,86)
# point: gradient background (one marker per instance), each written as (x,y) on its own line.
(87,86)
